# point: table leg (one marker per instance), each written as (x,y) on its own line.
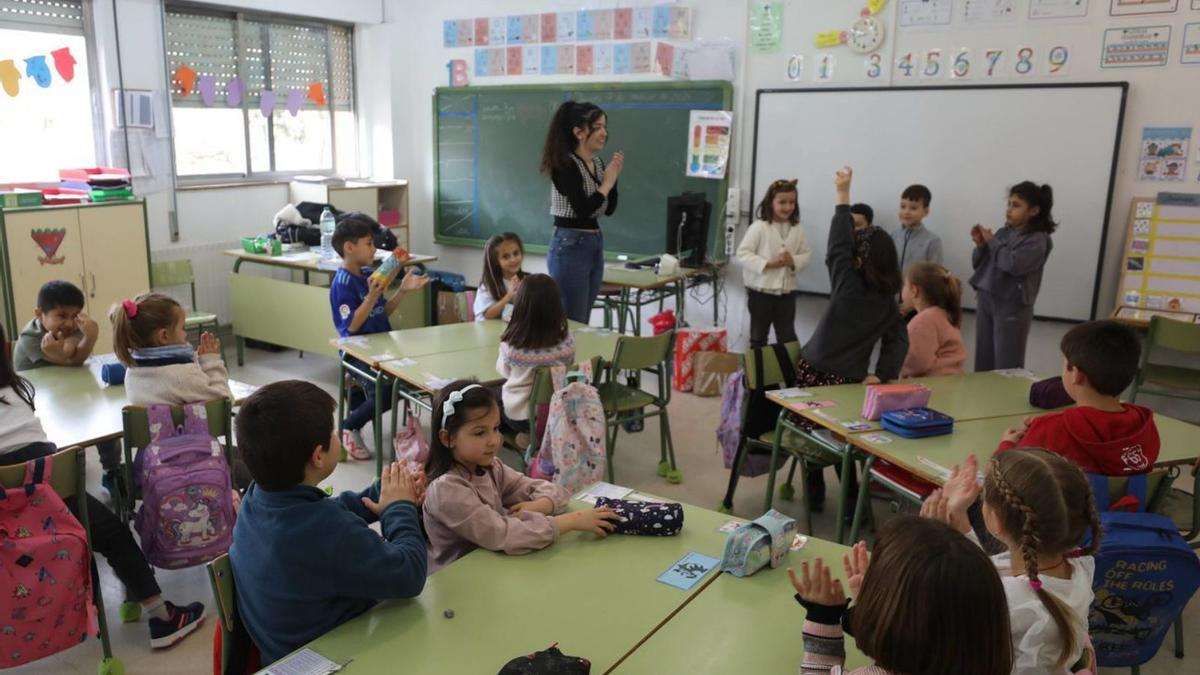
(716,306)
(776,442)
(864,497)
(844,492)
(378,435)
(241,349)
(341,399)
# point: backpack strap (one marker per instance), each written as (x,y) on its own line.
(37,471)
(161,423)
(195,418)
(785,363)
(759,375)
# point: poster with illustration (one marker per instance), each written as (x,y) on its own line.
(709,135)
(1136,47)
(1163,154)
(1190,52)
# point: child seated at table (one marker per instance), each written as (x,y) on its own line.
(359,308)
(149,337)
(537,336)
(22,438)
(927,601)
(501,278)
(303,562)
(477,501)
(1099,433)
(935,345)
(62,334)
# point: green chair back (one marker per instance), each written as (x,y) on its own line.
(168,273)
(1158,483)
(220,576)
(137,422)
(66,474)
(638,353)
(1174,335)
(772,370)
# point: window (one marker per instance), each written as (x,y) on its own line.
(51,127)
(304,70)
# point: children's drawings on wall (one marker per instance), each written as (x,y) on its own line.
(1164,153)
(1132,7)
(1136,47)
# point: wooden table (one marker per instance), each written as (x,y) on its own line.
(641,287)
(596,599)
(748,625)
(297,315)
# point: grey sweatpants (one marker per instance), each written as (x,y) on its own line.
(1001,330)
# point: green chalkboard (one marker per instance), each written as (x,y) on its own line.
(488,142)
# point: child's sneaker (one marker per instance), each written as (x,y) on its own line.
(355,446)
(182,620)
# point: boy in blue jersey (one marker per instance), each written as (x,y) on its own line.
(359,308)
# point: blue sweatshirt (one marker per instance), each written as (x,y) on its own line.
(305,563)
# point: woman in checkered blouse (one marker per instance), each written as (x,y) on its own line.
(582,187)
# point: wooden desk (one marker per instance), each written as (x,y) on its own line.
(596,599)
(297,315)
(76,407)
(747,625)
(643,287)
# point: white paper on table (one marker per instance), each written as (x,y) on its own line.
(603,489)
(304,662)
(793,392)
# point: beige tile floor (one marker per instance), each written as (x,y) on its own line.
(694,422)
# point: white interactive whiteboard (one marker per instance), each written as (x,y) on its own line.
(968,144)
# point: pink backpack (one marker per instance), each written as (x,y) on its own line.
(411,445)
(45,572)
(573,453)
(187,511)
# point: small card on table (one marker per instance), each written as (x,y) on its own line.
(688,570)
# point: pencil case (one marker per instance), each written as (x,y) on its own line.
(764,541)
(917,422)
(1049,394)
(651,519)
(882,398)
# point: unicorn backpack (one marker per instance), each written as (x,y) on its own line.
(573,452)
(187,513)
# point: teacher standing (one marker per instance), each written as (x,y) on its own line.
(582,188)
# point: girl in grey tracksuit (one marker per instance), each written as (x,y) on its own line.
(1008,274)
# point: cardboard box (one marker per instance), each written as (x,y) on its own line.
(689,341)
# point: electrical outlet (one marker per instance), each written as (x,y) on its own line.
(732,201)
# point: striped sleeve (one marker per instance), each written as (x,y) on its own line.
(824,649)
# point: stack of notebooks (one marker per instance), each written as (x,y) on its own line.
(100,184)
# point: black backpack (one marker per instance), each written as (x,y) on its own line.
(549,661)
(762,414)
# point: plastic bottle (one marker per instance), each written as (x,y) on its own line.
(387,269)
(328,224)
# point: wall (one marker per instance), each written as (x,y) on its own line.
(214,219)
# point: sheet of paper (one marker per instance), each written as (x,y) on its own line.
(602,489)
(793,392)
(688,570)
(730,525)
(925,13)
(856,425)
(304,662)
(798,543)
(880,439)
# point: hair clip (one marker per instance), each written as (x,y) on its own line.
(131,308)
(1035,584)
(453,398)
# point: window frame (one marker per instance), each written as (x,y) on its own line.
(241,20)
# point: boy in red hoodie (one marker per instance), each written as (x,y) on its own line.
(1100,433)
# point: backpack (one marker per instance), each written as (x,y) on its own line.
(1145,575)
(573,453)
(187,513)
(45,572)
(760,416)
(411,445)
(549,661)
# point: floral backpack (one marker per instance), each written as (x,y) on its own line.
(573,452)
(45,572)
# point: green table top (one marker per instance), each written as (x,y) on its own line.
(306,260)
(963,397)
(76,407)
(596,599)
(981,437)
(413,342)
(619,275)
(430,370)
(747,625)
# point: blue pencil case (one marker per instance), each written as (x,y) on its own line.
(917,422)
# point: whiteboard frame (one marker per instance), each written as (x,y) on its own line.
(1112,173)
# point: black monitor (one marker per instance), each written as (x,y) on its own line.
(687,227)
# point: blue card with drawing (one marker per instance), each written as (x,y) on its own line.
(688,570)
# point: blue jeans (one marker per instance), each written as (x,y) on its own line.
(362,401)
(576,261)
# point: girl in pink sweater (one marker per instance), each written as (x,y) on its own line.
(927,601)
(475,500)
(935,345)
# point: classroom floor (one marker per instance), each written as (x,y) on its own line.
(637,454)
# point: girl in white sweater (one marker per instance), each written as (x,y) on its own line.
(771,253)
(150,339)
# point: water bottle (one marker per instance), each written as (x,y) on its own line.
(328,224)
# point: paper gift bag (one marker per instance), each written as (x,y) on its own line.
(689,341)
(710,370)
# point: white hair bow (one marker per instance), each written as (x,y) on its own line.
(453,398)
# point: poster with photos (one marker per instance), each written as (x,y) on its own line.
(1163,155)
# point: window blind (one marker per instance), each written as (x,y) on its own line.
(275,55)
(51,16)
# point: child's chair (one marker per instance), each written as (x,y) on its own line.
(539,395)
(234,653)
(623,403)
(68,479)
(136,425)
(1161,379)
(169,273)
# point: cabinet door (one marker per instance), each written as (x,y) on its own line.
(364,199)
(115,261)
(43,245)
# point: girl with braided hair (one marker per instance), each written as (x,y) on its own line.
(1040,506)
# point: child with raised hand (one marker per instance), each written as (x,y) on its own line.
(1008,274)
(22,439)
(1040,506)
(150,339)
(864,278)
(501,278)
(476,501)
(927,601)
(935,345)
(771,253)
(536,337)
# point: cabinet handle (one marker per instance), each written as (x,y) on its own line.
(83,282)
(93,290)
